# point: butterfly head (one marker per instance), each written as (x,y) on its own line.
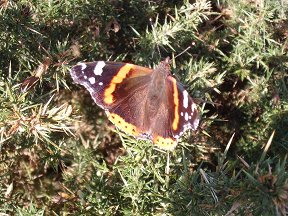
(164,67)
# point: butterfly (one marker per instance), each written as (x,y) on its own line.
(143,102)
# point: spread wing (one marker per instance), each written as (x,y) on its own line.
(177,113)
(102,79)
(118,88)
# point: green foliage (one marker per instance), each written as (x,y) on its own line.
(59,155)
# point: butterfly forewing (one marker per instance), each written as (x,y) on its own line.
(187,112)
(101,78)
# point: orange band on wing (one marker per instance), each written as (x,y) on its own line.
(176,103)
(122,73)
(165,143)
(119,122)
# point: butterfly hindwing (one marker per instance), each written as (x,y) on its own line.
(128,114)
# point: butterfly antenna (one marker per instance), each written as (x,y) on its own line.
(189,47)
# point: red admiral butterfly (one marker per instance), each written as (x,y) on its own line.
(146,103)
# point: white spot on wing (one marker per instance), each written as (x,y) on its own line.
(181,113)
(186,116)
(195,124)
(193,107)
(85,77)
(100,83)
(185,98)
(98,70)
(83,66)
(92,80)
